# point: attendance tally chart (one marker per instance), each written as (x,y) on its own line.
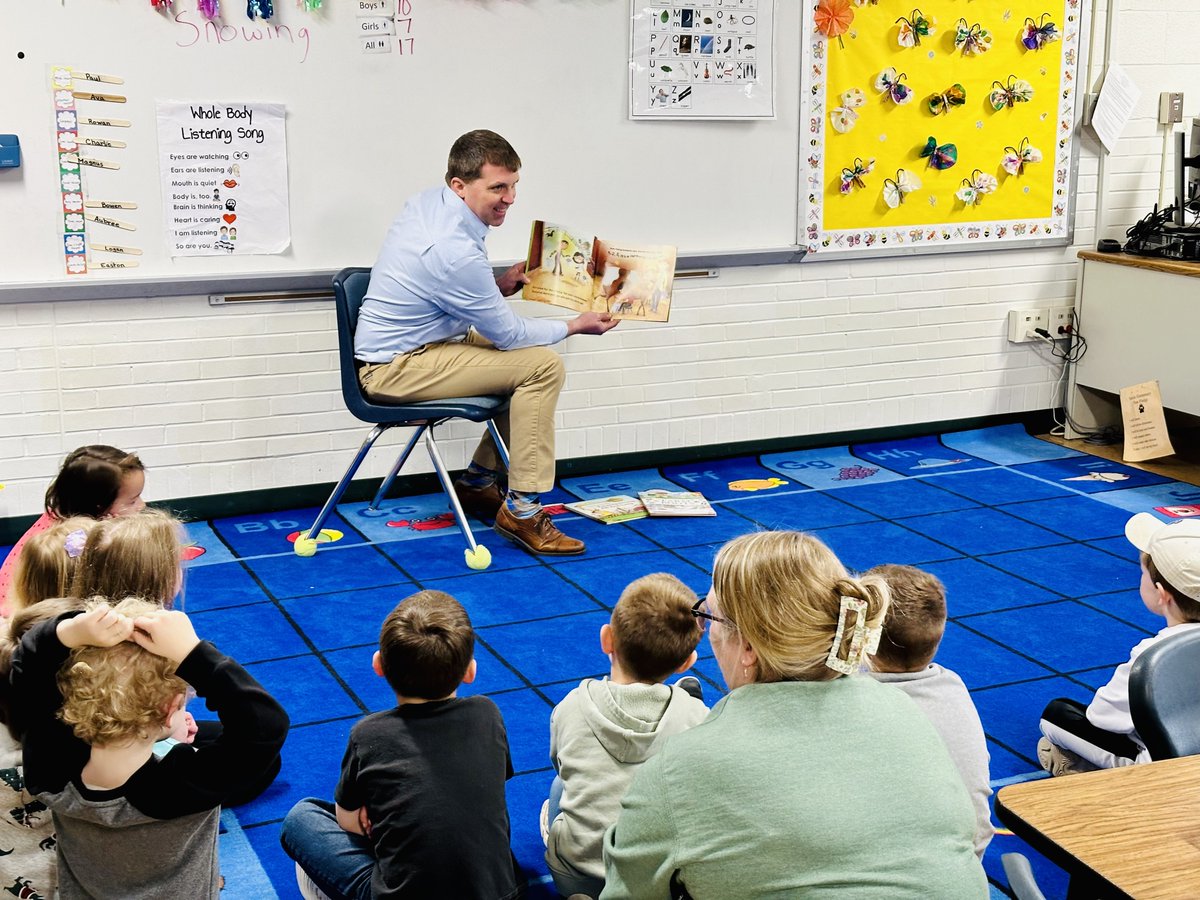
(224,177)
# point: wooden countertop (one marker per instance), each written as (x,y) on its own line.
(1170,266)
(1137,827)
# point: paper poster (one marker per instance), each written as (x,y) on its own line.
(1114,107)
(947,125)
(711,59)
(224,177)
(1145,424)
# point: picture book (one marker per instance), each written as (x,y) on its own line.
(675,503)
(610,510)
(589,274)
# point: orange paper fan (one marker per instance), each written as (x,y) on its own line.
(833,18)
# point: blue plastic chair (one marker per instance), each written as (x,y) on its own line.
(1163,700)
(349,287)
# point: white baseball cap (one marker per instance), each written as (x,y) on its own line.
(1174,547)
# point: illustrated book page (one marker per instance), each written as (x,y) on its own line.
(660,502)
(610,510)
(589,274)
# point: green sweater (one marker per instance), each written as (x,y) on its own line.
(799,789)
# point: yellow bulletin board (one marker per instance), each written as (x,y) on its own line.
(939,125)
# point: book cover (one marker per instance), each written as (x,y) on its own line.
(589,274)
(610,510)
(659,502)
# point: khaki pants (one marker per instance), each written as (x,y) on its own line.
(532,377)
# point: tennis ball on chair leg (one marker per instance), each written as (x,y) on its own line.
(304,546)
(479,558)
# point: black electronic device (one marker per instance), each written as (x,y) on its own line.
(1174,232)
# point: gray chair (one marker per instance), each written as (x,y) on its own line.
(349,288)
(1163,697)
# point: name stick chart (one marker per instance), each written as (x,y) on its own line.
(224,179)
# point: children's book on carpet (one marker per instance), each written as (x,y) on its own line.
(659,502)
(610,510)
(588,274)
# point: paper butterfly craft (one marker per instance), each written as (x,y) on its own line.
(942,156)
(894,189)
(1016,91)
(1038,34)
(1016,158)
(843,117)
(852,177)
(975,187)
(971,39)
(955,95)
(259,9)
(913,28)
(890,83)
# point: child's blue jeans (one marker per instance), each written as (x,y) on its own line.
(339,862)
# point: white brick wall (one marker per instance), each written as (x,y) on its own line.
(231,399)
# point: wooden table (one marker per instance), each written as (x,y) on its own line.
(1129,832)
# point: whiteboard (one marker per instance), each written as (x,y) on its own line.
(366,130)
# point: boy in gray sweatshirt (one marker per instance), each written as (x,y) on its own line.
(603,730)
(912,631)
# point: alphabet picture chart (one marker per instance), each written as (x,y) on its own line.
(223,169)
(710,60)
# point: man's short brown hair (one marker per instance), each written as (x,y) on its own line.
(915,621)
(426,645)
(475,149)
(653,629)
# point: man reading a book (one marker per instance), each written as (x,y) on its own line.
(435,324)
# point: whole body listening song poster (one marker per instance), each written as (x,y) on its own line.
(223,168)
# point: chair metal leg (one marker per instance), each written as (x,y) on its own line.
(499,441)
(459,517)
(400,461)
(332,502)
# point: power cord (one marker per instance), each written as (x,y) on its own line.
(1075,350)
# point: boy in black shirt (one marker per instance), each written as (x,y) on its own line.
(420,807)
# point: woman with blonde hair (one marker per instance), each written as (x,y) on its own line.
(809,779)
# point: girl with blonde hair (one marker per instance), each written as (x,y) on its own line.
(97,481)
(809,779)
(47,564)
(132,556)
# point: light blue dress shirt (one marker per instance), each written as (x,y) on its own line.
(433,281)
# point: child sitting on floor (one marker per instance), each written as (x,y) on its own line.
(97,689)
(48,561)
(420,805)
(912,631)
(97,481)
(1101,735)
(603,730)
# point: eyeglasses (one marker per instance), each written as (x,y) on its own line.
(703,614)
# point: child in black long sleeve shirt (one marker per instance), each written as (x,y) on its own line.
(130,825)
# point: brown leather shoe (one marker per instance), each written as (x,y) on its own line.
(536,534)
(480,502)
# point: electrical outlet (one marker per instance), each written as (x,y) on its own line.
(1170,107)
(1059,322)
(1021,323)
